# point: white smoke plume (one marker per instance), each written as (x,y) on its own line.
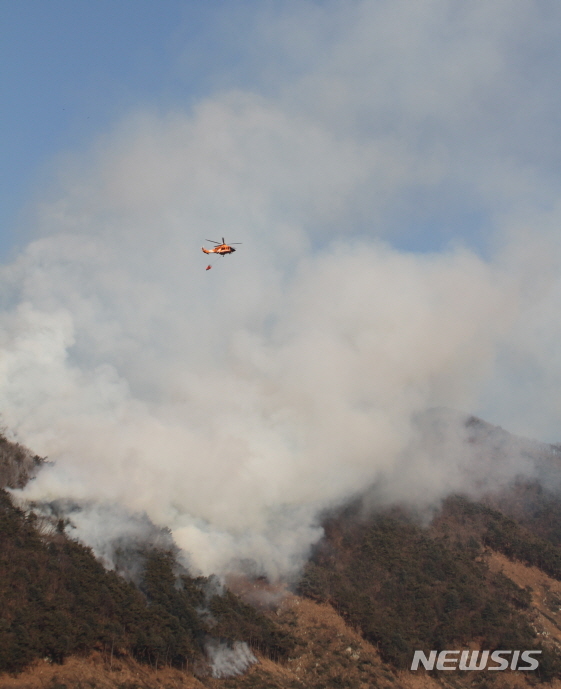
(232,405)
(229,660)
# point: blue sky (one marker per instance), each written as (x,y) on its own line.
(72,68)
(75,69)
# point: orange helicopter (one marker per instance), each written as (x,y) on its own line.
(221,249)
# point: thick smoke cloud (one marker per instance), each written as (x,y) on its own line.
(233,405)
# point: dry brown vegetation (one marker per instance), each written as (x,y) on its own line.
(481,575)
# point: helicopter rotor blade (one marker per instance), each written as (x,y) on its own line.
(212,240)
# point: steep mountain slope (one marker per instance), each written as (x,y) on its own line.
(17,464)
(328,653)
(475,572)
(57,600)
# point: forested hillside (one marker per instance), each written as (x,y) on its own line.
(17,464)
(56,599)
(381,584)
(409,587)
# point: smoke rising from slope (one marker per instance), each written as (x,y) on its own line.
(232,406)
(229,661)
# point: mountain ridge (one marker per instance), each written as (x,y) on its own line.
(384,581)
